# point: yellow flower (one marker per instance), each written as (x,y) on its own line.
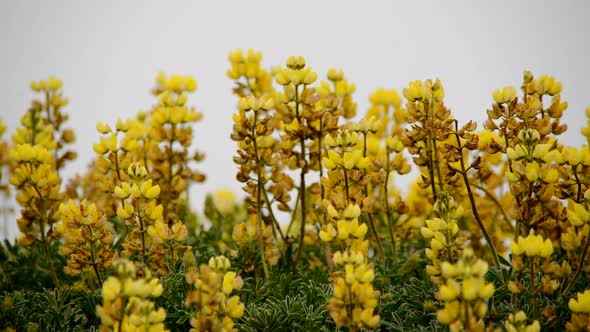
(111,288)
(103,128)
(327,233)
(532,171)
(577,214)
(234,308)
(581,304)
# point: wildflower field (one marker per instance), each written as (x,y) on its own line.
(492,235)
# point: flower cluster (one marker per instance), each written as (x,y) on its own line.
(517,323)
(126,300)
(580,308)
(139,210)
(354,301)
(87,238)
(169,137)
(35,173)
(446,243)
(213,285)
(465,293)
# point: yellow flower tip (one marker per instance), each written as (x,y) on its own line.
(54,83)
(190,84)
(505,95)
(335,75)
(295,62)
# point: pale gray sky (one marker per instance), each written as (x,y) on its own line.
(109,52)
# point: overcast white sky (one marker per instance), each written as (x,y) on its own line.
(109,52)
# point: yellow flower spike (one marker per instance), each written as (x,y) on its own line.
(103,128)
(581,304)
(532,171)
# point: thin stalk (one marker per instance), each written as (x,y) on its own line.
(472,200)
(579,268)
(45,243)
(301,180)
(272,216)
(323,192)
(497,203)
(534,291)
(387,208)
(366,189)
(434,148)
(93,256)
(258,201)
(431,172)
(166,197)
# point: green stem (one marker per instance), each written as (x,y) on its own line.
(366,189)
(258,201)
(301,181)
(387,208)
(472,200)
